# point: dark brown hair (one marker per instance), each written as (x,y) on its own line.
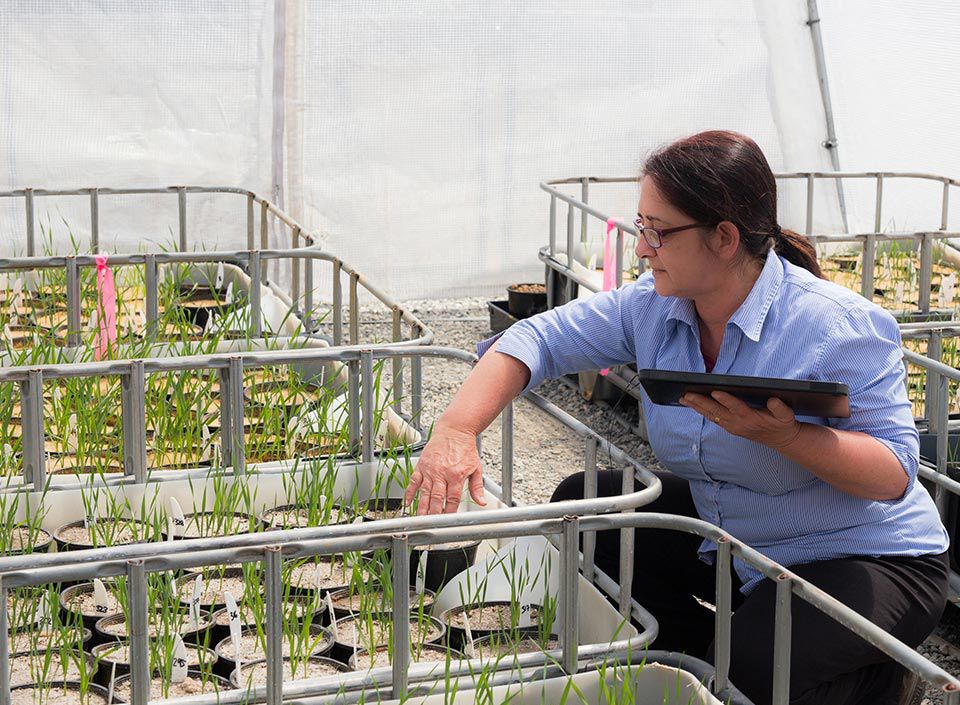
(718,175)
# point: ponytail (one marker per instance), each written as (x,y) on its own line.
(797,250)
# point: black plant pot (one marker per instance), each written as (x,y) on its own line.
(226,664)
(199,636)
(443,563)
(222,683)
(109,667)
(38,657)
(525,300)
(378,607)
(456,635)
(237,678)
(89,620)
(342,651)
(98,692)
(439,649)
(41,542)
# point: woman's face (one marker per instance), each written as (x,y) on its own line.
(683,265)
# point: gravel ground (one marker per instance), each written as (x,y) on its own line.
(546,452)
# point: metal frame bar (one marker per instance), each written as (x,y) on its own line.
(137,560)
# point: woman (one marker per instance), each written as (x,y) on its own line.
(835,499)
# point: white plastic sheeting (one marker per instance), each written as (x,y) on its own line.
(414,134)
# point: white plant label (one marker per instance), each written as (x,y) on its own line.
(177,517)
(333,618)
(218,282)
(7,451)
(195,602)
(358,520)
(7,335)
(44,618)
(90,518)
(318,580)
(173,583)
(467,637)
(17,286)
(170,533)
(526,614)
(229,295)
(233,612)
(101,601)
(178,670)
(422,572)
(72,444)
(113,675)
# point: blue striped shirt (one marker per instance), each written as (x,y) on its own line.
(792,325)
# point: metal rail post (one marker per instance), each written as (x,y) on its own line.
(274,623)
(869,261)
(584,196)
(139,640)
(627,538)
(590,492)
(151,284)
(506,453)
(182,216)
(28,206)
(941,498)
(264,232)
(295,267)
(416,385)
(878,206)
(400,576)
(256,321)
(926,271)
(73,302)
(809,227)
(231,415)
(354,309)
(367,404)
(132,417)
(783,631)
(94,220)
(251,243)
(931,410)
(619,256)
(945,205)
(308,296)
(337,304)
(723,615)
(569,587)
(31,410)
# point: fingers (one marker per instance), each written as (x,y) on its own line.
(781,412)
(476,488)
(423,507)
(416,479)
(454,492)
(730,403)
(438,495)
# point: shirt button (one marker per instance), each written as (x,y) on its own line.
(694,447)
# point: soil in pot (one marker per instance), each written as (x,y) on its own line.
(215,584)
(114,659)
(384,508)
(348,601)
(484,619)
(46,639)
(296,609)
(424,653)
(209,524)
(102,532)
(444,562)
(252,647)
(523,641)
(196,683)
(115,627)
(254,674)
(78,600)
(353,634)
(525,300)
(24,539)
(49,666)
(292,516)
(334,574)
(68,693)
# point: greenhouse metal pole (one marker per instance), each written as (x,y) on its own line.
(813,22)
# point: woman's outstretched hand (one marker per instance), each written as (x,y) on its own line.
(775,427)
(448,461)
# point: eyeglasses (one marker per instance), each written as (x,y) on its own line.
(654,236)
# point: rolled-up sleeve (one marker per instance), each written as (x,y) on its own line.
(586,334)
(864,352)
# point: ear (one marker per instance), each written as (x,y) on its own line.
(726,244)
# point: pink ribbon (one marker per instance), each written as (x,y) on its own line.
(106,308)
(609,266)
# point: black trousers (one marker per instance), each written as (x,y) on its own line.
(830,665)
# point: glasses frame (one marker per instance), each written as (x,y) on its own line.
(656,239)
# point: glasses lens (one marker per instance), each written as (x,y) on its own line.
(652,237)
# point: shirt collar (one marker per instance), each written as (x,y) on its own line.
(752,313)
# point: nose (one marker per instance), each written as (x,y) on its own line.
(643,248)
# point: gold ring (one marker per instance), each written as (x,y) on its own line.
(716,419)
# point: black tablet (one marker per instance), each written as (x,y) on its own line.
(806,398)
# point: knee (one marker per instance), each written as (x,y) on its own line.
(570,488)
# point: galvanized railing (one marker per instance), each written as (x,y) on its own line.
(402,678)
(867,240)
(254,205)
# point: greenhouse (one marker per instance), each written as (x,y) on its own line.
(436,352)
